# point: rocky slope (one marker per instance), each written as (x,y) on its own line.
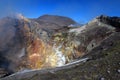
(85,53)
(102,64)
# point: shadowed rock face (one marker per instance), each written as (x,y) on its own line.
(114,21)
(35,47)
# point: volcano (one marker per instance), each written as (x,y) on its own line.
(47,48)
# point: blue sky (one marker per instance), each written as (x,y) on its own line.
(79,10)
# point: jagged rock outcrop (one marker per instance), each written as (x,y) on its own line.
(114,21)
(35,47)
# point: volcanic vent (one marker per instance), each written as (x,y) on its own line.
(29,45)
(26,44)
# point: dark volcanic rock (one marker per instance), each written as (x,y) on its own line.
(54,21)
(114,21)
(60,20)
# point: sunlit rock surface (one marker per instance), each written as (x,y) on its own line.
(35,47)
